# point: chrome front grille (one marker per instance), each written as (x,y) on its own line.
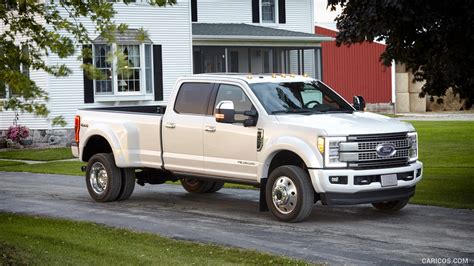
(399,144)
(370,156)
(360,150)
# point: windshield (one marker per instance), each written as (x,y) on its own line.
(299,97)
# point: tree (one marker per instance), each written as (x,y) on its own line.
(30,31)
(434,39)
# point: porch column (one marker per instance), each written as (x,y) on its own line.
(299,62)
(249,60)
(302,61)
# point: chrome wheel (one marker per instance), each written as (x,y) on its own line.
(98,178)
(284,195)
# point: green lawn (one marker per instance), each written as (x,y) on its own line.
(41,241)
(38,154)
(63,168)
(9,163)
(447,152)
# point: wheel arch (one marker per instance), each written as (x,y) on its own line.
(95,144)
(290,152)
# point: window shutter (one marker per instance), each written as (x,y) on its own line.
(88,83)
(256,11)
(194,11)
(3,90)
(158,72)
(282,11)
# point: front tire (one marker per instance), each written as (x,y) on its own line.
(391,206)
(193,185)
(216,186)
(103,177)
(289,194)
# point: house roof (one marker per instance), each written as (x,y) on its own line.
(128,36)
(229,31)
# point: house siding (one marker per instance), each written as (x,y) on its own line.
(168,26)
(299,15)
(41,79)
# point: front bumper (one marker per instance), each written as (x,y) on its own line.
(322,185)
(331,198)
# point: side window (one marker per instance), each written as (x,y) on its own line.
(235,94)
(193,98)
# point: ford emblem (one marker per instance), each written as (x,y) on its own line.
(385,150)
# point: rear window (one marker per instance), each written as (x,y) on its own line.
(193,98)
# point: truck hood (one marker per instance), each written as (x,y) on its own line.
(342,124)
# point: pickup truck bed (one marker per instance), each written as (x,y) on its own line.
(136,137)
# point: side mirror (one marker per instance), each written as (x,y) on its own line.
(225,112)
(252,120)
(358,103)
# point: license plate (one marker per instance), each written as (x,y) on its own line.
(389,180)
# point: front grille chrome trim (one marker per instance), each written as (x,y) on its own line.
(360,150)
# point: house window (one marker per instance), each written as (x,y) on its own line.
(268,11)
(5,90)
(133,76)
(129,75)
(102,56)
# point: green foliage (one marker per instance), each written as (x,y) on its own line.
(32,30)
(433,38)
(42,241)
(58,121)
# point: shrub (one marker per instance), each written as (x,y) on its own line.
(15,133)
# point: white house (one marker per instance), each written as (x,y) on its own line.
(193,36)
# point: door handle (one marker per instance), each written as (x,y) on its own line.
(210,128)
(170,125)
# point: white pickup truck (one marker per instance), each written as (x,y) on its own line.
(291,136)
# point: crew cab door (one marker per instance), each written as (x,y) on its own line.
(230,149)
(183,128)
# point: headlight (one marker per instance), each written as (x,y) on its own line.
(321,145)
(413,151)
(329,148)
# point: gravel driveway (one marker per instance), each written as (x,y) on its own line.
(353,235)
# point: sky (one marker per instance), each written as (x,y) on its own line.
(323,15)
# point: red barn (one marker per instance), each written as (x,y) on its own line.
(356,70)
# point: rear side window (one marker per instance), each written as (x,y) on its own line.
(193,98)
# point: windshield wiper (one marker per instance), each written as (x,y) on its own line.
(332,112)
(291,111)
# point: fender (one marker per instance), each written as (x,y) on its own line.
(107,133)
(306,151)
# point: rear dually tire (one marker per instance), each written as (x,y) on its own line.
(103,177)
